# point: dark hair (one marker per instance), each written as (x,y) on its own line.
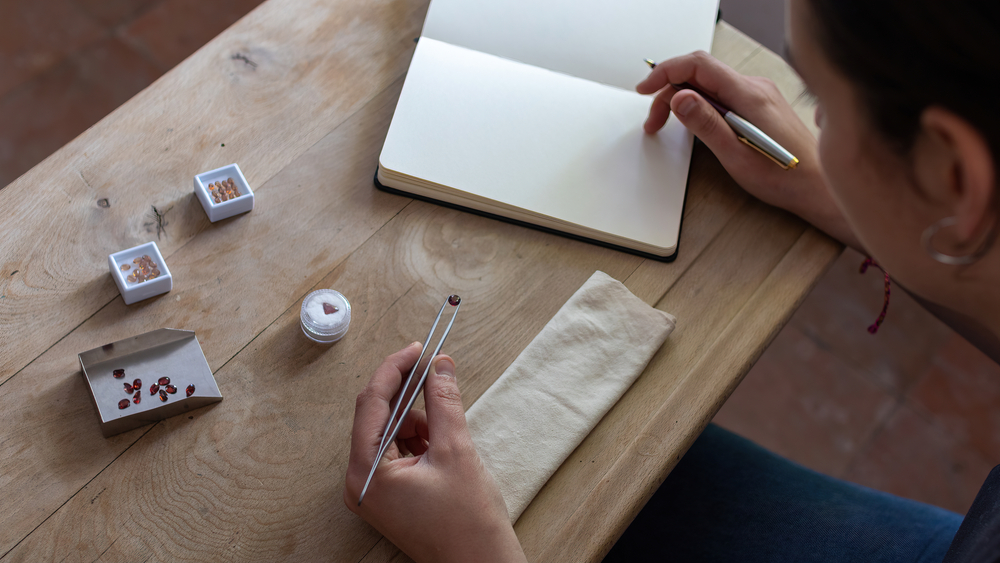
(906,55)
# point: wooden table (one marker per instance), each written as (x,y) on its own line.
(300,93)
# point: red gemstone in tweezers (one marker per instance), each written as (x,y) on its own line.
(118,373)
(454,300)
(123,404)
(190,390)
(164,380)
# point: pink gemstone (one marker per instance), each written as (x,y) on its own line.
(128,387)
(329,309)
(190,390)
(123,404)
(137,384)
(171,389)
(454,300)
(164,380)
(137,398)
(163,395)
(153,389)
(118,373)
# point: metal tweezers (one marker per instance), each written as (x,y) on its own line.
(390,432)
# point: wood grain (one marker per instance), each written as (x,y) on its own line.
(259,476)
(312,73)
(636,474)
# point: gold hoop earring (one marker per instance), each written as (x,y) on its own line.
(927,240)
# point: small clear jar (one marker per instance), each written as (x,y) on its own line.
(325,316)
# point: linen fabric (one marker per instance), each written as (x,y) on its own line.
(557,390)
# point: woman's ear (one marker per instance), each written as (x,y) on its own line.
(956,170)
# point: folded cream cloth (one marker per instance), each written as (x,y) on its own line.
(532,418)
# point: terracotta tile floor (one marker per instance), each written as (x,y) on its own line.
(913,410)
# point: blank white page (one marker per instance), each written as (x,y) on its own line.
(604,41)
(539,141)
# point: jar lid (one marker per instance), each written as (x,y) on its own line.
(325,315)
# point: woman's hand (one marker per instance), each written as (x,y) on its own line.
(440,504)
(801,190)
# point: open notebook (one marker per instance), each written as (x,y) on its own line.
(526,110)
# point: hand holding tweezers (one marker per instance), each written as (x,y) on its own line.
(395,423)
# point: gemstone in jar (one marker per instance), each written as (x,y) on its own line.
(136,260)
(236,192)
(153,389)
(190,390)
(137,398)
(137,384)
(125,267)
(128,387)
(123,404)
(218,199)
(139,278)
(454,300)
(146,257)
(131,278)
(153,275)
(230,181)
(224,197)
(171,389)
(330,309)
(163,395)
(118,373)
(164,381)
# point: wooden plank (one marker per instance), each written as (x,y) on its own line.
(732,46)
(704,300)
(264,469)
(240,275)
(317,62)
(589,534)
(258,477)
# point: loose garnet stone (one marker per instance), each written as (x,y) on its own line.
(137,398)
(329,309)
(153,389)
(118,373)
(163,395)
(123,404)
(137,384)
(454,300)
(171,389)
(190,390)
(164,380)
(128,387)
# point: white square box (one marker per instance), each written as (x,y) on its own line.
(132,291)
(235,206)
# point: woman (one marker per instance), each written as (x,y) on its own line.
(905,170)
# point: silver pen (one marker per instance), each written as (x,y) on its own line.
(746,131)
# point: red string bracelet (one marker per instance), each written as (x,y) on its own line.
(885,305)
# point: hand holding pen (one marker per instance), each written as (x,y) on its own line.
(717,89)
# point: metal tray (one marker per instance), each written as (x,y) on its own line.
(164,352)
